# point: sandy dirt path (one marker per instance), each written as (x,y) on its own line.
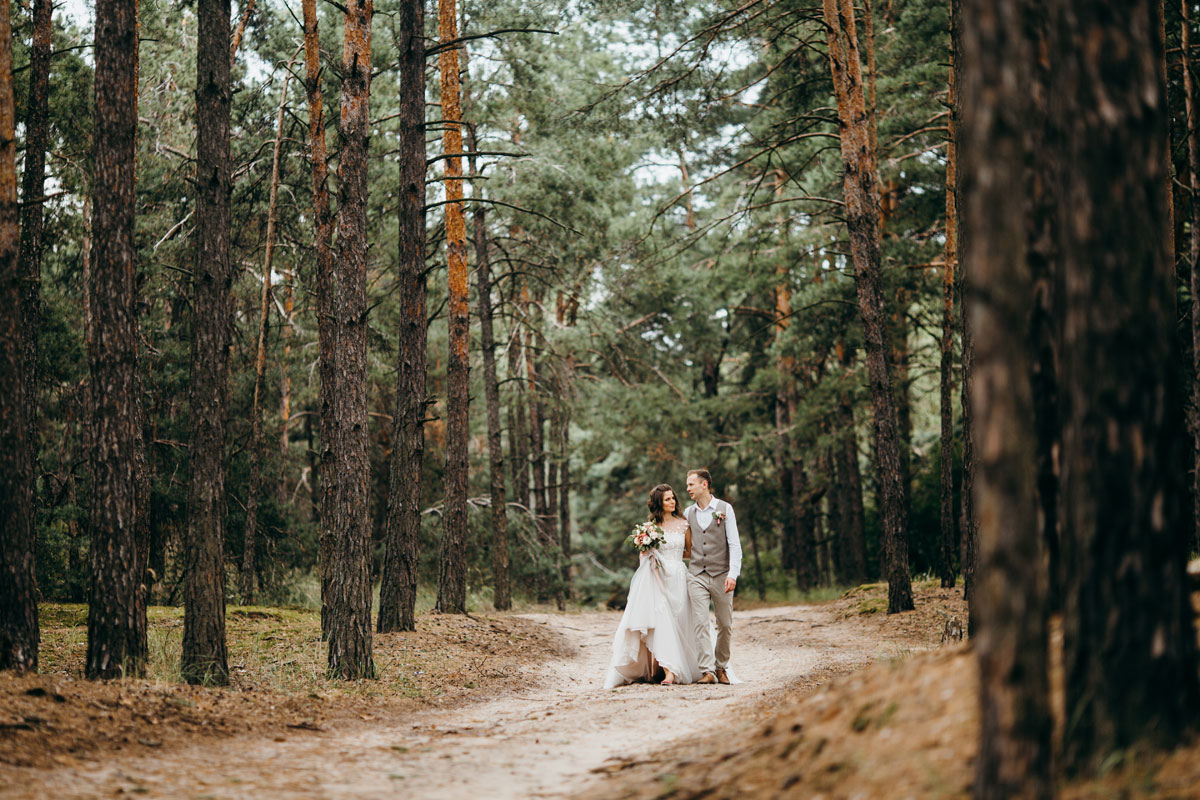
(543,740)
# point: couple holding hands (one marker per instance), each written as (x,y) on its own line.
(665,630)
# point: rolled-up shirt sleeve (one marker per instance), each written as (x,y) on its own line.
(735,543)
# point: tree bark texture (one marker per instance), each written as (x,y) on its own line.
(1011,641)
(452,571)
(204,652)
(116,606)
(949,262)
(249,543)
(969,524)
(319,156)
(862,221)
(1128,635)
(564,483)
(518,436)
(346,474)
(33,182)
(852,535)
(501,591)
(1192,104)
(398,588)
(19,634)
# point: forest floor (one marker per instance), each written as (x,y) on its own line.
(512,705)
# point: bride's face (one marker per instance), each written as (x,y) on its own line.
(668,502)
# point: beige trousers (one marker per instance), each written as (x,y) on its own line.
(701,589)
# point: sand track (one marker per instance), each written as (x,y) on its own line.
(552,737)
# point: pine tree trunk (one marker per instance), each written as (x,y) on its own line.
(862,220)
(249,543)
(805,568)
(853,534)
(969,524)
(240,30)
(326,328)
(501,592)
(347,477)
(949,262)
(285,389)
(518,435)
(1014,757)
(1128,635)
(1192,103)
(398,588)
(452,572)
(116,614)
(564,488)
(788,555)
(19,633)
(204,652)
(33,181)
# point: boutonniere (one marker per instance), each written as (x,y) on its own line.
(719,516)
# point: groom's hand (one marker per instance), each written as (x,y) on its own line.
(730,585)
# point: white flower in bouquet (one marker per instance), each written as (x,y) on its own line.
(646,536)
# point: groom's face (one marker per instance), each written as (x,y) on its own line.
(695,486)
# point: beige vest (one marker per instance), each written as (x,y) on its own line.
(710,548)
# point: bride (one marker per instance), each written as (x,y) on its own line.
(656,629)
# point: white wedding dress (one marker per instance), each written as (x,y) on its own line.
(656,625)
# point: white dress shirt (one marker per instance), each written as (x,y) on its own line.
(704,517)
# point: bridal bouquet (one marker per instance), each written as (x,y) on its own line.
(646,536)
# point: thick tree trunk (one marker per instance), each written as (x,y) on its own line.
(249,543)
(116,608)
(564,486)
(398,589)
(19,634)
(501,592)
(1128,635)
(1192,103)
(1011,642)
(452,571)
(204,652)
(862,221)
(326,328)
(347,477)
(33,181)
(949,262)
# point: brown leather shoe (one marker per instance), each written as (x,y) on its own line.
(707,677)
(722,677)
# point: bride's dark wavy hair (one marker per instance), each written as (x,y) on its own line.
(655,503)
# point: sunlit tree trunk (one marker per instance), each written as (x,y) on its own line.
(862,221)
(452,571)
(949,263)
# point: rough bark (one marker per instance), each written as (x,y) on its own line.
(204,652)
(969,524)
(345,465)
(862,221)
(949,261)
(1192,104)
(325,280)
(116,606)
(249,543)
(452,570)
(33,181)
(398,588)
(19,634)
(1128,636)
(1011,642)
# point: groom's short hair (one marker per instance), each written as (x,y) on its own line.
(702,474)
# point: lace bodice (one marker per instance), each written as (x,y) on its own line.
(676,532)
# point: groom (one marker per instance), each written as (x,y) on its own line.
(712,573)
